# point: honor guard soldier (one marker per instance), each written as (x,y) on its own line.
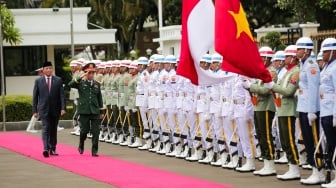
(278,63)
(125,77)
(286,104)
(202,110)
(136,127)
(142,100)
(320,61)
(264,113)
(327,100)
(114,80)
(146,69)
(89,104)
(308,105)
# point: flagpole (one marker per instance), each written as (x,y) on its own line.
(71,30)
(160,21)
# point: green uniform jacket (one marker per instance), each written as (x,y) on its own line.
(123,82)
(114,81)
(131,92)
(90,98)
(287,88)
(264,95)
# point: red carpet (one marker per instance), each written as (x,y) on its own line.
(105,169)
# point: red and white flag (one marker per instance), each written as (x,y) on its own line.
(198,18)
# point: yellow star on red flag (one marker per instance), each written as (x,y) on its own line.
(241,22)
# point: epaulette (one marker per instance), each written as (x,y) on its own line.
(311,61)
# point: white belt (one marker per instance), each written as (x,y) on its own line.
(327,95)
(238,101)
(169,94)
(225,99)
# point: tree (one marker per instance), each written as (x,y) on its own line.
(272,39)
(312,10)
(10,33)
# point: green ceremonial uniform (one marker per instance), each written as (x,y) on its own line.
(287,112)
(89,104)
(113,99)
(135,119)
(264,114)
(122,98)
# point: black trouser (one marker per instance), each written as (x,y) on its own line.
(287,138)
(136,123)
(263,125)
(49,132)
(87,123)
(310,134)
(330,133)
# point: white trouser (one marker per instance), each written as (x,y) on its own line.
(155,123)
(245,131)
(298,136)
(192,128)
(275,133)
(230,134)
(218,132)
(164,127)
(182,124)
(145,121)
(205,130)
(172,124)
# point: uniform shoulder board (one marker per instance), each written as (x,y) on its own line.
(311,61)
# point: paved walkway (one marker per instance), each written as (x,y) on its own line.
(19,171)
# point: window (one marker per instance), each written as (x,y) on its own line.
(23,61)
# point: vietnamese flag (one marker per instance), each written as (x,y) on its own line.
(234,40)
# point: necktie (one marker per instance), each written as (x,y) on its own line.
(48,83)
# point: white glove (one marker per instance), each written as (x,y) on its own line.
(311,118)
(126,108)
(206,116)
(334,120)
(246,84)
(134,110)
(269,85)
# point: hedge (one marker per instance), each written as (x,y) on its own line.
(19,108)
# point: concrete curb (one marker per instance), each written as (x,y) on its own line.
(22,125)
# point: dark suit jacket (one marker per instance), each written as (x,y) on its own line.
(48,103)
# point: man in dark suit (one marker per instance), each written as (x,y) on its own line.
(48,105)
(89,105)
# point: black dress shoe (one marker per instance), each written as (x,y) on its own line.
(80,150)
(95,155)
(53,152)
(45,154)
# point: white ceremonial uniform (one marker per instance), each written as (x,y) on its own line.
(243,113)
(142,95)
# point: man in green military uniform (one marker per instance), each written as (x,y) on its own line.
(122,105)
(113,82)
(135,119)
(286,103)
(89,104)
(264,113)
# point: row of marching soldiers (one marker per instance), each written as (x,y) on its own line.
(151,108)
